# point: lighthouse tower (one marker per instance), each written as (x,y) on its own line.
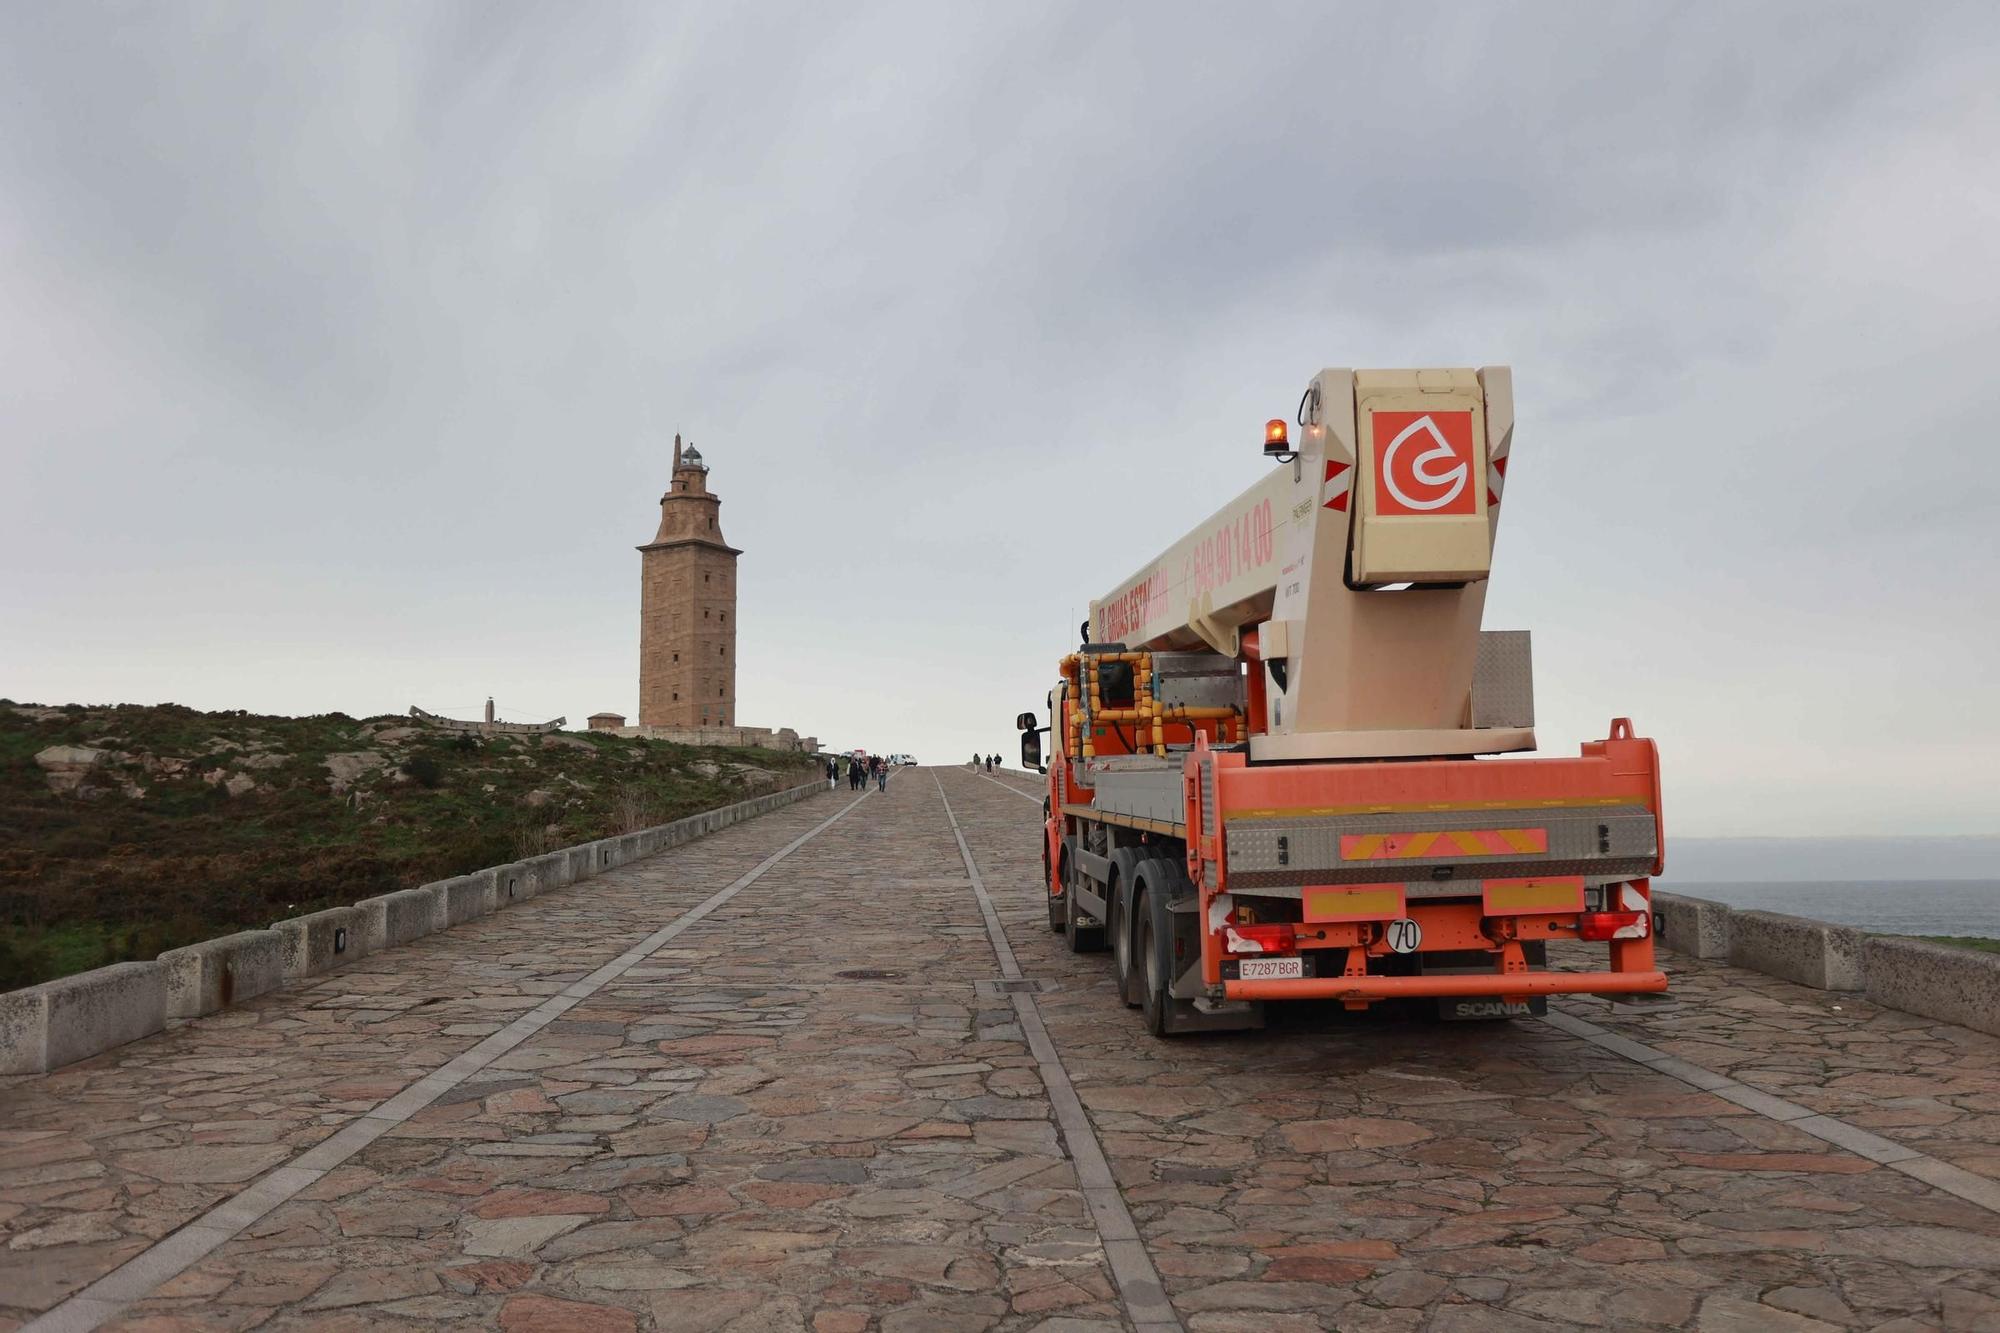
(687,607)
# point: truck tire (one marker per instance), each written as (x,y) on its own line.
(1155,939)
(1082,939)
(1154,872)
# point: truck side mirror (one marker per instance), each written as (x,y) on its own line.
(1031,750)
(1024,722)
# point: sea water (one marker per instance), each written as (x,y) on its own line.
(1888,907)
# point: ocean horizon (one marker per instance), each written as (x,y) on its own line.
(1885,906)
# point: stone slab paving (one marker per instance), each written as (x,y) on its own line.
(811,1110)
(100,1160)
(1385,1172)
(816,1108)
(1933,1086)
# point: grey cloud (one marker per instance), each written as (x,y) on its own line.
(347,343)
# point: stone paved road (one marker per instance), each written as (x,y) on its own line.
(817,1108)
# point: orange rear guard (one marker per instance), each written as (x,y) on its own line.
(1511,984)
(1622,769)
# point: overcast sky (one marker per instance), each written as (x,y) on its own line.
(344,346)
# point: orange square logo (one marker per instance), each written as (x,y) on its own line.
(1425,463)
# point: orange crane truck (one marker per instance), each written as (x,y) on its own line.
(1269,771)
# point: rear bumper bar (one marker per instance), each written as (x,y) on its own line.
(1382,988)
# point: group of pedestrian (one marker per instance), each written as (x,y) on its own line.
(988,762)
(860,772)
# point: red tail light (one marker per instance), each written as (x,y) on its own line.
(1608,925)
(1260,939)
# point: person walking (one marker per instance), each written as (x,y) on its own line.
(854,773)
(882,778)
(832,772)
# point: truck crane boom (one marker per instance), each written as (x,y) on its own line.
(1307,556)
(1265,779)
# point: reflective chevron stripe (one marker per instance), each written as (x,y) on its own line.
(1449,842)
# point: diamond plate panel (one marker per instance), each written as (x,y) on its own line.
(1596,840)
(1197,680)
(1145,794)
(1503,680)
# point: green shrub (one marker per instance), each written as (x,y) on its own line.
(423,770)
(22,962)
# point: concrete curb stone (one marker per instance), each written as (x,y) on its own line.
(397,918)
(461,899)
(546,873)
(321,941)
(513,883)
(72,1018)
(215,974)
(1697,927)
(1939,981)
(1811,953)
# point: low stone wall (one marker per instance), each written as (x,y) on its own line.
(1938,981)
(746,738)
(73,1018)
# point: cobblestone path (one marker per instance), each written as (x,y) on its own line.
(828,1104)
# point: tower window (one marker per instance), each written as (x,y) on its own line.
(720,651)
(704,578)
(718,694)
(677,696)
(677,657)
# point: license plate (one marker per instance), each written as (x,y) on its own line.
(1272,969)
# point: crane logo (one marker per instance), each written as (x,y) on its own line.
(1423,463)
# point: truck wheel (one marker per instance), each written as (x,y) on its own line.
(1082,939)
(1124,949)
(1155,938)
(1123,967)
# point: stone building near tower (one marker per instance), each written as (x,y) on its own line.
(687,607)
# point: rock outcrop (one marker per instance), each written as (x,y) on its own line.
(343,769)
(68,767)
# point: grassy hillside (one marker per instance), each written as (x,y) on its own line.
(160,826)
(1978,942)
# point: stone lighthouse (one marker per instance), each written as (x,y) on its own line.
(687,607)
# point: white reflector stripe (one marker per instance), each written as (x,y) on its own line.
(1635,901)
